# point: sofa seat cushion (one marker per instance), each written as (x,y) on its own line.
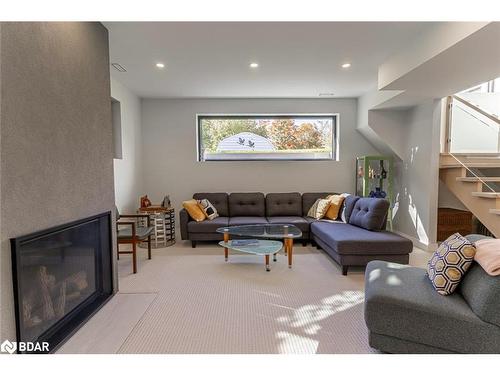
(247,220)
(401,302)
(298,221)
(208,226)
(348,239)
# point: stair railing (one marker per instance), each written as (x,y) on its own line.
(480,133)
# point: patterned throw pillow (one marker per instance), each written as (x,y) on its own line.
(208,209)
(449,263)
(319,208)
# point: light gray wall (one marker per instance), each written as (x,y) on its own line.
(170,160)
(417,175)
(56,137)
(128,169)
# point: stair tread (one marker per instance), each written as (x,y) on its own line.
(476,179)
(485,194)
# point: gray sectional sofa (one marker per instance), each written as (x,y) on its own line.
(357,241)
(404,314)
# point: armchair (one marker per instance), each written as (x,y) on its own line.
(128,232)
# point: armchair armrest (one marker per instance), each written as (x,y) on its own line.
(131,223)
(136,216)
(183,222)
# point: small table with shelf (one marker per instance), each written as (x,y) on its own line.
(163,221)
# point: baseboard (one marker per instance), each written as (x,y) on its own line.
(417,243)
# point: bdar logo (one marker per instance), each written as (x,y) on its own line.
(8,347)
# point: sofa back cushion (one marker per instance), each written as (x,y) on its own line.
(308,200)
(369,213)
(283,204)
(219,200)
(247,204)
(482,293)
(480,290)
(347,207)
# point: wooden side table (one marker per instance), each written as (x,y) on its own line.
(163,221)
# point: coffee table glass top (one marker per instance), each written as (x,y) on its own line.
(259,247)
(263,231)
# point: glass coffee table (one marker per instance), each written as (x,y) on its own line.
(266,243)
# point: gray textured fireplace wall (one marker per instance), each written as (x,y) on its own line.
(55,134)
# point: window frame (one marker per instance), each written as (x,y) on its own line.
(335,133)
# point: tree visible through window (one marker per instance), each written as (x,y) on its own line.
(267,137)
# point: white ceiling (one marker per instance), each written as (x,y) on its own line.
(297,59)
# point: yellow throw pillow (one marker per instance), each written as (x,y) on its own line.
(335,203)
(194,210)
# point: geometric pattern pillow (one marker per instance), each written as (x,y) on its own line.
(208,209)
(449,263)
(319,208)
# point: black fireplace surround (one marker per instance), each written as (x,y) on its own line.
(61,276)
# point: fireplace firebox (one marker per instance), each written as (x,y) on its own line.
(61,276)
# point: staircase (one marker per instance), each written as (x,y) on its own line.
(480,194)
(471,166)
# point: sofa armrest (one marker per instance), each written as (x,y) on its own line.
(183,222)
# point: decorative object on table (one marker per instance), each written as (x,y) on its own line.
(449,263)
(208,209)
(377,193)
(194,210)
(166,201)
(376,181)
(145,202)
(163,221)
(245,242)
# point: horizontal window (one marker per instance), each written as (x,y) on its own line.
(267,137)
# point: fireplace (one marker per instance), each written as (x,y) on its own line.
(62,276)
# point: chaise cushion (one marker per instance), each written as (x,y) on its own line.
(298,221)
(208,226)
(482,293)
(283,204)
(369,213)
(247,204)
(247,220)
(219,200)
(348,239)
(400,302)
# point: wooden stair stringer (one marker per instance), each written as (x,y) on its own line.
(480,207)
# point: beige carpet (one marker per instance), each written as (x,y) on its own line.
(205,305)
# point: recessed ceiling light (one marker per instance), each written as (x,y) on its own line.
(160,65)
(254,65)
(346,65)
